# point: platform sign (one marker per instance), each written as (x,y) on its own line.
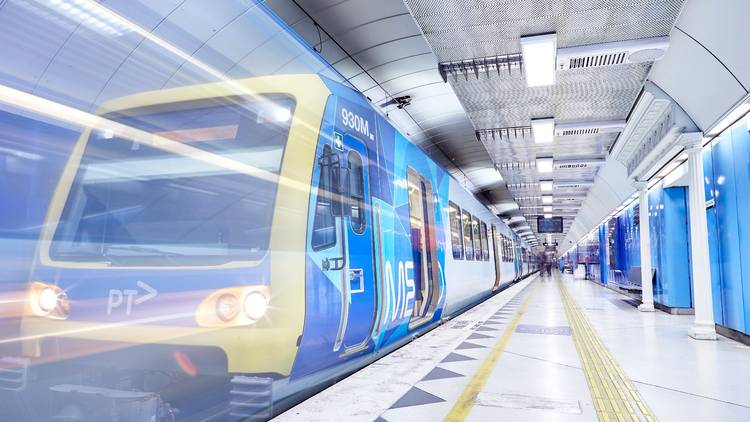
(549,225)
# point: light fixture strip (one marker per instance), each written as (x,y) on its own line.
(543,130)
(539,54)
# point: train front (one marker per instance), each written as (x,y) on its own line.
(169,278)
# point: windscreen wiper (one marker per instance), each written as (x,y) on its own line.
(145,249)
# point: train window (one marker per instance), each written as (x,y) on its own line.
(357,219)
(324,225)
(468,235)
(477,239)
(485,243)
(456,232)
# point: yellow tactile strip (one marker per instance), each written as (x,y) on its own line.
(615,397)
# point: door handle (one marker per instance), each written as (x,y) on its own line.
(338,263)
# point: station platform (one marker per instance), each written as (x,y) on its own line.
(547,349)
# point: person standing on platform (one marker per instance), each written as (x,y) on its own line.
(586,267)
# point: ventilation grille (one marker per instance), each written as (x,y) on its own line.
(576,132)
(597,60)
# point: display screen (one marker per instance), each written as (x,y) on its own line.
(549,225)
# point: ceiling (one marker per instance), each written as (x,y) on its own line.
(393,48)
(85,52)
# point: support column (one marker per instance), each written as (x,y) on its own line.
(647,288)
(703,326)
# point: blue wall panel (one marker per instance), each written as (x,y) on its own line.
(675,254)
(741,156)
(728,230)
(603,255)
(713,239)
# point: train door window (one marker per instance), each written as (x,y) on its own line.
(324,223)
(424,246)
(456,232)
(356,174)
(485,243)
(468,235)
(477,239)
(496,255)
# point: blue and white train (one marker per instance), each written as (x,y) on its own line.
(255,239)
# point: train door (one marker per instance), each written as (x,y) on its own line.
(424,248)
(359,294)
(496,252)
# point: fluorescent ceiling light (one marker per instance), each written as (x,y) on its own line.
(544,165)
(546,199)
(545,186)
(547,215)
(729,119)
(547,209)
(543,130)
(539,59)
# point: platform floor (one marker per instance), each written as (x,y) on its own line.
(548,349)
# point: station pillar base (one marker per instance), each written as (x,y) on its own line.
(703,332)
(646,307)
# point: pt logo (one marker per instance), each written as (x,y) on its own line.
(129,297)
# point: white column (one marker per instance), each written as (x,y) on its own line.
(647,289)
(703,326)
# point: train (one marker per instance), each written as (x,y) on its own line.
(231,247)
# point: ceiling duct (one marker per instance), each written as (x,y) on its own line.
(503,133)
(481,65)
(612,53)
(589,128)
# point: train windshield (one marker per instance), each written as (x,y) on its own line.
(199,190)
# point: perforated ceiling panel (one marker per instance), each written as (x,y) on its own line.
(463,30)
(458,29)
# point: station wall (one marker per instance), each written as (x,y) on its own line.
(726,162)
(670,246)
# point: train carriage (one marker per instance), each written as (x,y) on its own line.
(262,236)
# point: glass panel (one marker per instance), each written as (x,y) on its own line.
(324,225)
(133,202)
(356,169)
(454,214)
(485,244)
(477,239)
(468,235)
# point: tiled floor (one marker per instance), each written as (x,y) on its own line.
(535,373)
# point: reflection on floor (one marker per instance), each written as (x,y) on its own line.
(541,351)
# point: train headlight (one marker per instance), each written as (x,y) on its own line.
(255,305)
(234,306)
(227,307)
(47,299)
